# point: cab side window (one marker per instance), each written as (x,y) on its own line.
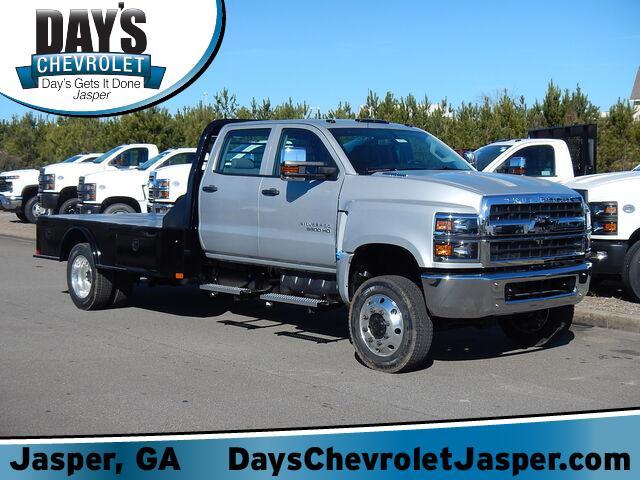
(181,159)
(131,158)
(242,152)
(540,161)
(300,145)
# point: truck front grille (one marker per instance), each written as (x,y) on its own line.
(5,185)
(540,248)
(534,228)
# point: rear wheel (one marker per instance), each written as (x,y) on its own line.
(631,272)
(119,208)
(389,324)
(89,288)
(535,329)
(70,207)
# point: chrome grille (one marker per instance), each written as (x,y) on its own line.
(5,185)
(535,229)
(541,248)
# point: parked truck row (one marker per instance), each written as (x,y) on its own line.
(380,217)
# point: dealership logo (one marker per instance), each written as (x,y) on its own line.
(76,53)
(98,61)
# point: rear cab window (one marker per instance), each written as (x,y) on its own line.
(243,151)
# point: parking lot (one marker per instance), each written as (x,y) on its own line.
(174,361)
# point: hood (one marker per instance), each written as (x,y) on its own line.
(174,171)
(115,177)
(601,180)
(25,172)
(483,183)
(74,168)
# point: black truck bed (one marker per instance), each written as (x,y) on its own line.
(136,242)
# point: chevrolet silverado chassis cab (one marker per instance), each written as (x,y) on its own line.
(383,218)
(19,189)
(615,223)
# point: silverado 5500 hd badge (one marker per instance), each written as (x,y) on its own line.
(97,60)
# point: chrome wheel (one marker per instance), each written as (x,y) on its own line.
(81,276)
(381,325)
(37,210)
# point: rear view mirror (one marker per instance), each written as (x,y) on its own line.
(306,171)
(517,166)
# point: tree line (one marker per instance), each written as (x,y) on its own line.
(34,140)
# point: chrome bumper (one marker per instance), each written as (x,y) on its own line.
(487,294)
(10,203)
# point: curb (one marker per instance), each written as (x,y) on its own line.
(602,319)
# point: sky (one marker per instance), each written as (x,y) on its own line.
(327,51)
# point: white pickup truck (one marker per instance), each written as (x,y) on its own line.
(125,191)
(58,184)
(548,159)
(166,185)
(19,189)
(615,218)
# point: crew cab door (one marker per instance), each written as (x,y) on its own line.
(228,206)
(298,218)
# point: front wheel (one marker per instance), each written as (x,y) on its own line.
(70,207)
(631,272)
(389,324)
(117,208)
(89,288)
(32,209)
(535,329)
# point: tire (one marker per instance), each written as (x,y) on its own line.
(21,216)
(30,209)
(97,292)
(384,340)
(69,207)
(631,272)
(535,329)
(119,208)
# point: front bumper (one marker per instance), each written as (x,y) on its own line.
(49,200)
(89,208)
(612,262)
(159,208)
(10,204)
(480,295)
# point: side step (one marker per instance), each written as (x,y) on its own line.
(214,287)
(294,300)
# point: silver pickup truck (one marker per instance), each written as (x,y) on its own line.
(383,218)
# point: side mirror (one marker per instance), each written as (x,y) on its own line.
(306,171)
(517,166)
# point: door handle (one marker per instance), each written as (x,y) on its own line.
(271,192)
(210,188)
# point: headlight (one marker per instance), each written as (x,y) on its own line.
(163,189)
(456,237)
(88,192)
(12,177)
(49,181)
(604,218)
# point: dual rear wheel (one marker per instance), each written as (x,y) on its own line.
(92,288)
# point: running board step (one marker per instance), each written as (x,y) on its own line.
(214,287)
(294,300)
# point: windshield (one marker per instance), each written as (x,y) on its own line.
(487,154)
(637,169)
(72,159)
(104,156)
(156,159)
(373,150)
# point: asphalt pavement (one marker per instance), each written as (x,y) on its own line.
(175,361)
